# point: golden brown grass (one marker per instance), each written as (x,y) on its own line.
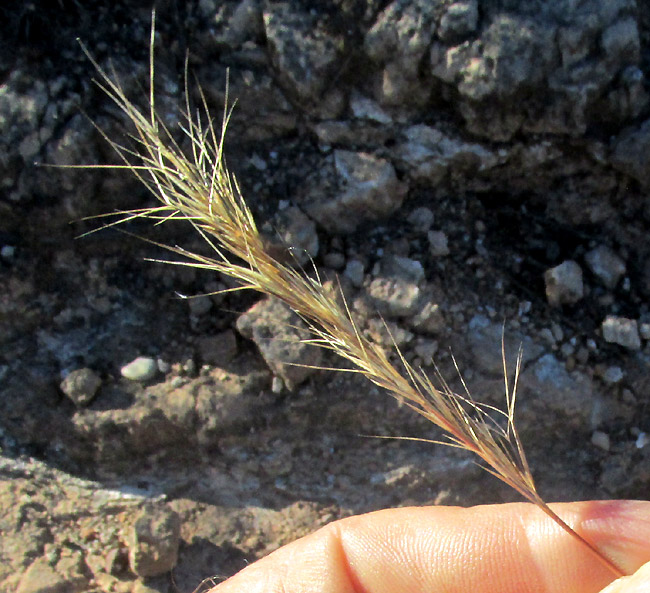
(195,186)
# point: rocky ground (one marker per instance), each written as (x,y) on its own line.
(457,165)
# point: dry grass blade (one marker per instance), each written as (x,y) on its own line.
(198,188)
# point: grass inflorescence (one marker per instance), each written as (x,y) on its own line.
(195,185)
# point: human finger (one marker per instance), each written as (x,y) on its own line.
(512,548)
(639,582)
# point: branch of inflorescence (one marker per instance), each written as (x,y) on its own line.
(194,185)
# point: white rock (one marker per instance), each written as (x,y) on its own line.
(142,368)
(564,284)
(621,331)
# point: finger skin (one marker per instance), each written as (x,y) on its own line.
(511,548)
(639,582)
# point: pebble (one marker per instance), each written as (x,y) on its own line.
(277,385)
(546,336)
(154,541)
(642,440)
(219,349)
(334,260)
(438,243)
(142,368)
(621,331)
(163,366)
(81,385)
(421,219)
(405,268)
(429,319)
(199,305)
(644,330)
(460,19)
(605,265)
(365,108)
(564,284)
(613,375)
(354,272)
(394,296)
(601,440)
(426,350)
(7,252)
(567,349)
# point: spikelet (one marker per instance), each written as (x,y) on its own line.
(198,188)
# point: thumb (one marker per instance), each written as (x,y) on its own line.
(639,582)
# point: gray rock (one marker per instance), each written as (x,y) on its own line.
(227,402)
(621,331)
(620,41)
(153,545)
(421,219)
(388,333)
(368,189)
(394,296)
(484,337)
(601,440)
(354,272)
(564,284)
(606,265)
(304,53)
(397,42)
(613,375)
(334,260)
(142,368)
(459,20)
(244,23)
(81,385)
(553,399)
(438,244)
(430,155)
(396,290)
(199,305)
(217,350)
(631,152)
(7,252)
(278,332)
(406,268)
(293,236)
(536,70)
(644,332)
(428,318)
(426,349)
(365,108)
